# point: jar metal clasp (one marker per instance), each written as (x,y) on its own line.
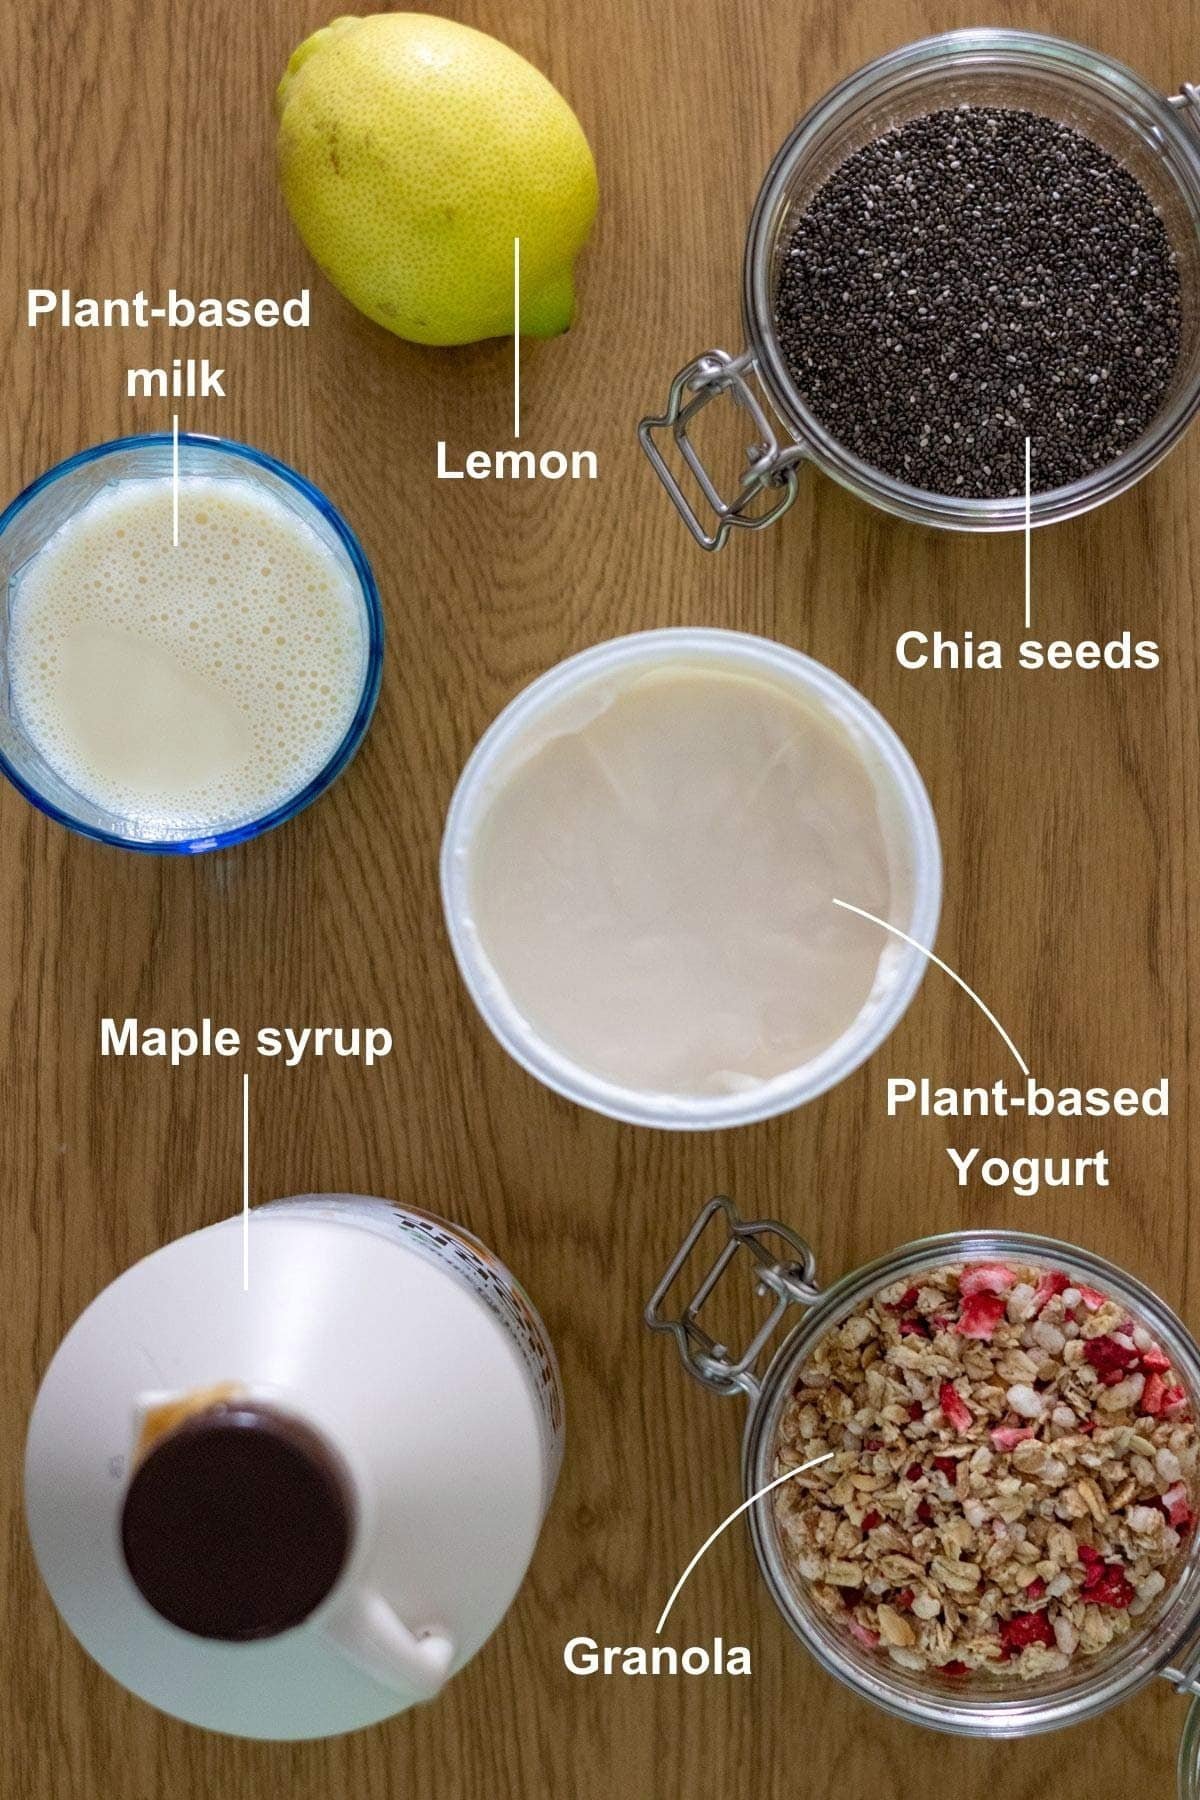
(1184,1670)
(790,1279)
(768,462)
(1187,100)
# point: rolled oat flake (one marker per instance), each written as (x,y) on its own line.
(973,277)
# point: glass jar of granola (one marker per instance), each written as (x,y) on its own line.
(977,1465)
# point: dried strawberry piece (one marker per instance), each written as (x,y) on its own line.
(904,1600)
(1036,1589)
(1086,1427)
(1155,1361)
(1175,1403)
(1112,1378)
(916,1411)
(1107,1354)
(907,1299)
(980,1315)
(1027,1628)
(1106,1584)
(925,1513)
(954,1406)
(953,1668)
(948,1467)
(1092,1298)
(1176,1506)
(871,1520)
(1088,1554)
(913,1328)
(1052,1283)
(914,1472)
(1007,1437)
(1153,1395)
(985,1278)
(872,1444)
(942,1322)
(869,1638)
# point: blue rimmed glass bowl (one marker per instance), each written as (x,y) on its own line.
(37,513)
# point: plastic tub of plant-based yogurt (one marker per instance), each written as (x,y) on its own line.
(190,645)
(640,868)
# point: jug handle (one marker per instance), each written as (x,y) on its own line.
(768,464)
(368,1630)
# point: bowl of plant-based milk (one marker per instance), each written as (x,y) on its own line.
(690,877)
(190,645)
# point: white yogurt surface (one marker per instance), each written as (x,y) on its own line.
(652,880)
(192,687)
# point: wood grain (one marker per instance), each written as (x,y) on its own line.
(138,152)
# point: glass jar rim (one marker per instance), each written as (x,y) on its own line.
(993,1714)
(1017,50)
(372,673)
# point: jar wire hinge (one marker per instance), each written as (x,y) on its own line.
(1188,100)
(790,1279)
(768,462)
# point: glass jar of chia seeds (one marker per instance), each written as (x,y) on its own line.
(1163,1640)
(1155,138)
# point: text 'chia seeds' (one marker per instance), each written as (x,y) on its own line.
(972,277)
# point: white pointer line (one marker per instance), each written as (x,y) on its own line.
(245,1184)
(945,967)
(1028,535)
(175,480)
(736,1514)
(516,337)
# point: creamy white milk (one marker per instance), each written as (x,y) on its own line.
(188,687)
(653,880)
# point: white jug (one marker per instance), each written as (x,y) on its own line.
(291,1511)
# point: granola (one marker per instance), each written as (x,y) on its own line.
(1013,1473)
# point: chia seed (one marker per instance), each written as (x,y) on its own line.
(972,277)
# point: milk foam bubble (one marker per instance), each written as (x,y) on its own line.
(191,687)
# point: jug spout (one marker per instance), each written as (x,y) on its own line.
(238,1517)
(157,1412)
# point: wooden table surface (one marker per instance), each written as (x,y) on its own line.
(138,153)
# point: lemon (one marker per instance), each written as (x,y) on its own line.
(412,151)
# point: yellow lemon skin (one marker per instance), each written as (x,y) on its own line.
(412,150)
